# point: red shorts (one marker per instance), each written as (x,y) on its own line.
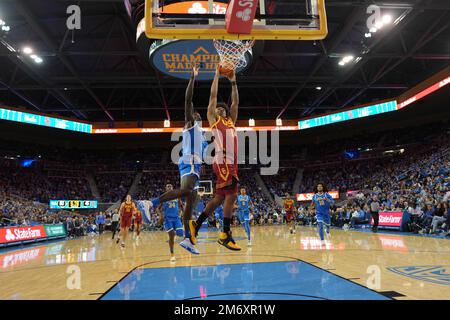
(227,179)
(289,216)
(138,221)
(125,221)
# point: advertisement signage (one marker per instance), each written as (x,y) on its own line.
(30,118)
(424,93)
(309,196)
(356,113)
(15,234)
(176,57)
(390,219)
(73,204)
(55,230)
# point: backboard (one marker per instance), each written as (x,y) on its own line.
(274,20)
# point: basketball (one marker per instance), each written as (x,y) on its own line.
(225,71)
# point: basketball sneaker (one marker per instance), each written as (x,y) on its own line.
(193,231)
(249,243)
(186,244)
(173,259)
(293,231)
(226,240)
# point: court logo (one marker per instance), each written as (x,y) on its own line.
(74,279)
(434,274)
(244,15)
(374,279)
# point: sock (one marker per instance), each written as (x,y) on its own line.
(155,202)
(247,229)
(226,224)
(320,226)
(201,218)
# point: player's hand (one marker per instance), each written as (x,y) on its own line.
(233,76)
(195,69)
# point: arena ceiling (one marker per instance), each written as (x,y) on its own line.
(98,74)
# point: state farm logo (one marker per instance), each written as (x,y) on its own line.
(390,219)
(19,234)
(9,236)
(244,15)
(197,7)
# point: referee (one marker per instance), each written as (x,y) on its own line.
(115,222)
(375,212)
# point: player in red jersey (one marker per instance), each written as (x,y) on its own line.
(138,222)
(126,211)
(290,212)
(222,121)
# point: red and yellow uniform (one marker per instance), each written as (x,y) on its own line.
(289,208)
(225,161)
(138,217)
(126,215)
(138,221)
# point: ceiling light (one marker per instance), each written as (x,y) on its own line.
(387,18)
(38,60)
(28,50)
(6,28)
(373,30)
(251,122)
(368,35)
(379,24)
(2,23)
(347,59)
(318,88)
(279,122)
(166,123)
(341,63)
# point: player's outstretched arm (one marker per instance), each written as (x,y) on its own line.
(188,105)
(213,99)
(234,98)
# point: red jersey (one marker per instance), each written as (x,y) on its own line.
(138,218)
(128,209)
(289,205)
(226,147)
(225,141)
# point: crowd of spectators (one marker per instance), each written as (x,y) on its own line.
(412,176)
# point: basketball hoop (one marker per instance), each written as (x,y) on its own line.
(232,53)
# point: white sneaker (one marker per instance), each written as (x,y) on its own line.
(186,244)
(293,231)
(323,243)
(173,259)
(249,243)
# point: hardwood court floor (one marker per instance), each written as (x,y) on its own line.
(278,265)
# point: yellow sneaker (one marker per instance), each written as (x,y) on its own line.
(226,240)
(193,231)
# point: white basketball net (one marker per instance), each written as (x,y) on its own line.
(232,52)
